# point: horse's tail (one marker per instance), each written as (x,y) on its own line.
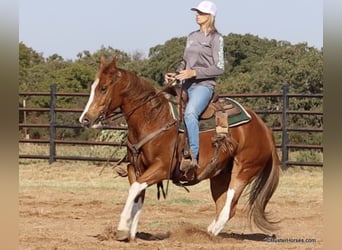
(261,192)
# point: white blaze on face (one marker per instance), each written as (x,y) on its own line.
(91,98)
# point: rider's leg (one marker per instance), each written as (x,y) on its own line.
(199,97)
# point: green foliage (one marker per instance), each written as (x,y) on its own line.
(110,136)
(28,58)
(161,57)
(261,65)
(309,156)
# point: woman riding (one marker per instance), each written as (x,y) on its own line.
(203,61)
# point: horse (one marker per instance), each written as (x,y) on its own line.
(153,134)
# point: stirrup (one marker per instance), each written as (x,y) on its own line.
(187,164)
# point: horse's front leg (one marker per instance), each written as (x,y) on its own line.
(136,211)
(130,215)
(131,212)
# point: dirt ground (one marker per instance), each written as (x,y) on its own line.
(74,207)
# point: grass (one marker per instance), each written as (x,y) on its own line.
(112,152)
(69,150)
(301,181)
(73,175)
(80,176)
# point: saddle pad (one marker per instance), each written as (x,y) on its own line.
(240,118)
(207,124)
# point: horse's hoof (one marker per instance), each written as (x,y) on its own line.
(122,235)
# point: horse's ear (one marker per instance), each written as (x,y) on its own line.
(102,62)
(113,63)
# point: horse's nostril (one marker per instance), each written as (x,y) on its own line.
(85,122)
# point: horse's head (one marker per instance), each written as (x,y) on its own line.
(102,101)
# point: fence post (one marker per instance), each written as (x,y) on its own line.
(284,141)
(52,155)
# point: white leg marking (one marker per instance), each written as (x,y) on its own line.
(91,98)
(136,211)
(125,217)
(224,215)
(211,226)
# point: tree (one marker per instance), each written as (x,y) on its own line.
(28,58)
(161,57)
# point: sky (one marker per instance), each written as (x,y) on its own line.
(67,27)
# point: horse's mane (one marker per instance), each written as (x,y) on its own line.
(140,90)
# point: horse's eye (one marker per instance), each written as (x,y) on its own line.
(103,89)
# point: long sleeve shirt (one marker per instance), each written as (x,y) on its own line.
(204,54)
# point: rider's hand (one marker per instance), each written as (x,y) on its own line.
(169,77)
(186,74)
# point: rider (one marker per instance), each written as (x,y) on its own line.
(202,62)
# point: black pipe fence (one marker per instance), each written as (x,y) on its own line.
(282,110)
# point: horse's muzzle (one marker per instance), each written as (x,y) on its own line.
(85,122)
(88,123)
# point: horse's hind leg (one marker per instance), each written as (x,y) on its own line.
(219,187)
(227,200)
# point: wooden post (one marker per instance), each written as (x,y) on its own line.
(52,154)
(27,136)
(285,153)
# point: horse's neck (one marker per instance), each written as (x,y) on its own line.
(143,117)
(142,122)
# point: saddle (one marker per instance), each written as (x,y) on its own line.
(221,108)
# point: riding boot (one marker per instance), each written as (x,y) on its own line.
(188,163)
(188,168)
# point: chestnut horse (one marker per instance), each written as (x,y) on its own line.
(152,136)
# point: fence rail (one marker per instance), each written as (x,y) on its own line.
(284,145)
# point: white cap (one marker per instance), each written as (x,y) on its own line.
(206,7)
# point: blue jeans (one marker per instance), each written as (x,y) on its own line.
(199,97)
